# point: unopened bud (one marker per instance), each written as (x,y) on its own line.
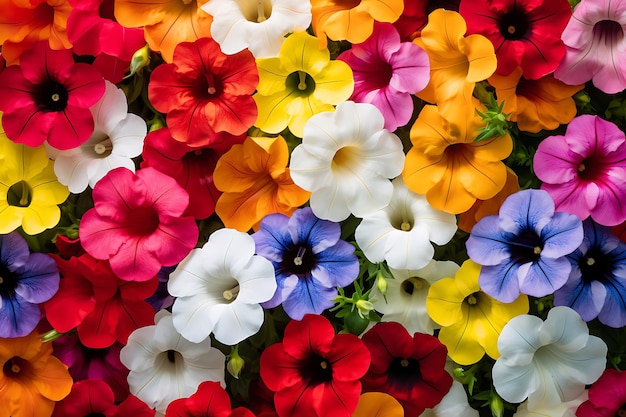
(235,363)
(496,405)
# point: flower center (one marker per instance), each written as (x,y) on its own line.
(173,356)
(231,294)
(142,221)
(409,285)
(621,412)
(596,265)
(301,83)
(13,366)
(104,147)
(345,159)
(255,10)
(404,372)
(590,168)
(514,25)
(526,247)
(472,299)
(317,370)
(608,32)
(299,260)
(51,96)
(19,194)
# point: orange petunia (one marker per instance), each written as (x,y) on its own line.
(378,404)
(351,20)
(255,182)
(447,165)
(31,380)
(457,62)
(24,23)
(539,104)
(166,23)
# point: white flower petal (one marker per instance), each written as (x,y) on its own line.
(111,109)
(237,322)
(128,136)
(564,328)
(257,281)
(194,317)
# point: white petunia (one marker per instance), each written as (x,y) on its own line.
(117,138)
(220,288)
(454,404)
(547,362)
(406,295)
(401,233)
(346,159)
(259,25)
(165,367)
(564,409)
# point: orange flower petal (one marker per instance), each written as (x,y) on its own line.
(378,404)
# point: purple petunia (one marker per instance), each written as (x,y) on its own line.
(597,284)
(26,279)
(309,258)
(524,248)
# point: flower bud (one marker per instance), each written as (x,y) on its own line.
(235,363)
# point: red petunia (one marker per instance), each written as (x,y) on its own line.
(47,97)
(524,33)
(93,30)
(411,369)
(137,223)
(210,400)
(192,168)
(313,372)
(205,92)
(104,308)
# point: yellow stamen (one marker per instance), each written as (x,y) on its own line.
(25,195)
(404,363)
(231,294)
(590,261)
(406,226)
(581,167)
(472,300)
(103,146)
(511,29)
(323,364)
(537,250)
(298,259)
(302,83)
(55,97)
(260,12)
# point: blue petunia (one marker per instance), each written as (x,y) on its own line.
(26,279)
(524,248)
(309,258)
(597,284)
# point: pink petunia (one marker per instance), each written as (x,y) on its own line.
(47,97)
(595,42)
(137,223)
(585,170)
(387,72)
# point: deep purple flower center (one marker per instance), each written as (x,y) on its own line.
(514,24)
(526,247)
(621,412)
(95,415)
(589,169)
(8,283)
(142,221)
(596,265)
(404,373)
(316,370)
(608,32)
(299,260)
(51,96)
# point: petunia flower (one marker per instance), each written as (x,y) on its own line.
(352,20)
(453,404)
(607,396)
(136,226)
(26,280)
(259,26)
(386,73)
(448,165)
(309,258)
(458,305)
(524,248)
(117,138)
(583,170)
(563,409)
(596,287)
(378,404)
(205,92)
(219,289)
(24,23)
(346,159)
(405,299)
(93,397)
(534,105)
(192,167)
(401,233)
(106,309)
(255,182)
(594,44)
(31,379)
(547,362)
(410,368)
(47,97)
(164,366)
(301,82)
(314,372)
(457,62)
(29,190)
(93,30)
(166,23)
(525,33)
(209,400)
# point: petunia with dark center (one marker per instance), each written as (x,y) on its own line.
(526,247)
(317,370)
(301,83)
(19,194)
(298,260)
(8,282)
(409,285)
(621,412)
(142,221)
(404,373)
(590,168)
(608,32)
(596,265)
(514,24)
(51,96)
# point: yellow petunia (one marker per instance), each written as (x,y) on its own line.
(300,82)
(29,189)
(470,320)
(255,182)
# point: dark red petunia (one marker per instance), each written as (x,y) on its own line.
(411,369)
(205,92)
(313,372)
(524,33)
(210,400)
(47,97)
(93,30)
(192,168)
(105,309)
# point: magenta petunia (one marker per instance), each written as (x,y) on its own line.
(607,396)
(387,72)
(137,226)
(47,97)
(585,170)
